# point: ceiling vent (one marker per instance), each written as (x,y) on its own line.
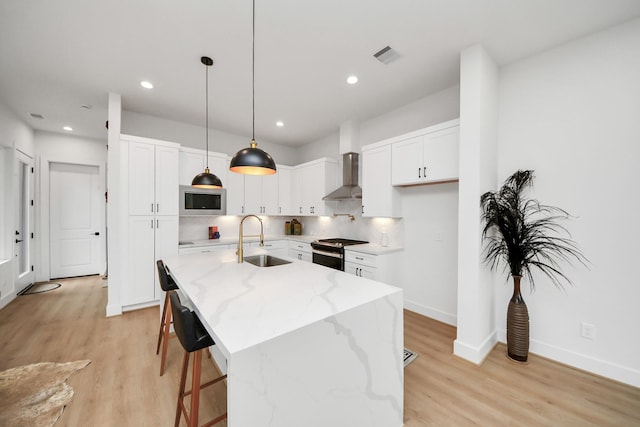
(386,55)
(36,116)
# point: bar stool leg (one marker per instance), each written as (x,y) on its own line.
(196,369)
(163,319)
(165,343)
(183,380)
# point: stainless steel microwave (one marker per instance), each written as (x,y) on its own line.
(201,201)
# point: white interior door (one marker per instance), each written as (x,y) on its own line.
(76,220)
(24,225)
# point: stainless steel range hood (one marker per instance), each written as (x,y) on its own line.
(350,189)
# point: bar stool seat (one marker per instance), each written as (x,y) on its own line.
(167,284)
(194,338)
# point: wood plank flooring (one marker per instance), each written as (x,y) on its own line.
(121,387)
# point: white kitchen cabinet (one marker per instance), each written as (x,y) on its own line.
(274,247)
(149,238)
(261,194)
(235,192)
(426,156)
(311,182)
(193,162)
(202,249)
(284,190)
(300,250)
(152,177)
(379,197)
(381,266)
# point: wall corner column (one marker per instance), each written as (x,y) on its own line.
(114,242)
(476,334)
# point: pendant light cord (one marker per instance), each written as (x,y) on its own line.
(253,75)
(206,109)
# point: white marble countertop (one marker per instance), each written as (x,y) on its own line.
(234,240)
(369,248)
(373,248)
(244,305)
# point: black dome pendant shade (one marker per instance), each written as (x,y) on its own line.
(206,179)
(252,160)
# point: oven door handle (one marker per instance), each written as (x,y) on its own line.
(331,254)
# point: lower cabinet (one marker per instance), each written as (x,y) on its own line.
(274,247)
(149,238)
(202,249)
(300,250)
(383,267)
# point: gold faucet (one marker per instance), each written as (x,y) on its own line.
(240,236)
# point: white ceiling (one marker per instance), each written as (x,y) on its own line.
(56,56)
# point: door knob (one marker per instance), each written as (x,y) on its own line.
(97,233)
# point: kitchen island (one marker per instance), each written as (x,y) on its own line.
(304,345)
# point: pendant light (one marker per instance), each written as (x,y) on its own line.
(252,160)
(206,179)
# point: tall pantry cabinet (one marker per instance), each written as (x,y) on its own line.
(151,176)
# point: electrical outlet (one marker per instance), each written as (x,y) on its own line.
(588,331)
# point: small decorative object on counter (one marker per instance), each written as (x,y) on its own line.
(214,233)
(287,228)
(296,227)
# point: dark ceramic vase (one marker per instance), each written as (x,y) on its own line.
(517,325)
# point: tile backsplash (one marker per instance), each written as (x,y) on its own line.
(370,229)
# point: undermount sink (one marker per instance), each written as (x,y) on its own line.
(265,260)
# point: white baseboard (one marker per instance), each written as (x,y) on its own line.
(7,299)
(114,310)
(472,353)
(448,318)
(584,362)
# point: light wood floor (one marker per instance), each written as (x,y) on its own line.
(121,387)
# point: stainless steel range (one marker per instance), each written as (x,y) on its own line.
(330,252)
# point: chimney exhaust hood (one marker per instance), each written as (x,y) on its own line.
(350,189)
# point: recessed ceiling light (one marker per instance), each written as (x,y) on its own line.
(279,123)
(68,128)
(146,85)
(352,80)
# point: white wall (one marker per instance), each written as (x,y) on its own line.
(195,137)
(14,135)
(430,110)
(62,148)
(428,228)
(572,115)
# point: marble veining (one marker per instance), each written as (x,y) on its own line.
(304,344)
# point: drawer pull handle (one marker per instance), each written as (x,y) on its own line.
(360,258)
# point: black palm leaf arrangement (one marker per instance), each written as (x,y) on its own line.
(525,234)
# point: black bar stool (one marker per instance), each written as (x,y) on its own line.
(167,284)
(194,338)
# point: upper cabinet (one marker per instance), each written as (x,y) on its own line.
(379,197)
(235,191)
(312,181)
(261,194)
(152,168)
(193,162)
(284,190)
(426,156)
